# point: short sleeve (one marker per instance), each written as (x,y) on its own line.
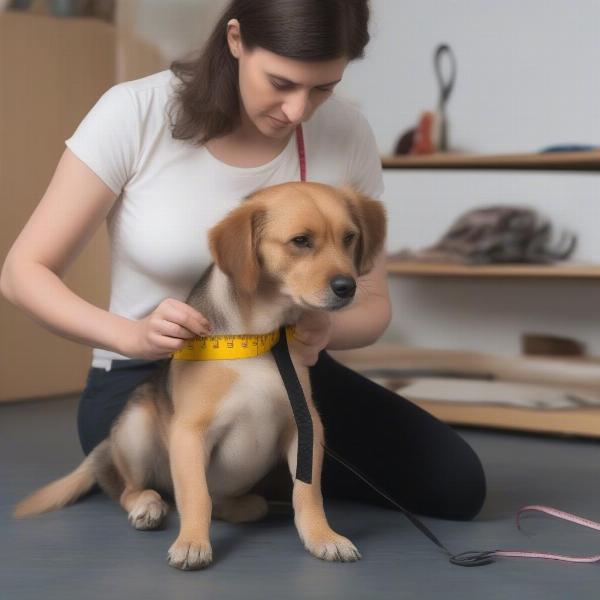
(366,175)
(107,139)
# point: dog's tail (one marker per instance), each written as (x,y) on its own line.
(63,491)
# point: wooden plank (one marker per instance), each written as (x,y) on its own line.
(549,161)
(574,372)
(582,422)
(578,373)
(555,271)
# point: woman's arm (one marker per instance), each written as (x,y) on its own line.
(73,207)
(75,204)
(365,320)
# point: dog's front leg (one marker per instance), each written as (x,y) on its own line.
(309,515)
(187,455)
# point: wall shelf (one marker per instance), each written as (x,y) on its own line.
(585,422)
(557,271)
(549,161)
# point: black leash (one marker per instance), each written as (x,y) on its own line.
(471,558)
(299,407)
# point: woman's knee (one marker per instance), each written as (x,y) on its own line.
(465,488)
(449,479)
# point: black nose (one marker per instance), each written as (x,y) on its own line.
(343,286)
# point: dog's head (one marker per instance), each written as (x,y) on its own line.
(309,240)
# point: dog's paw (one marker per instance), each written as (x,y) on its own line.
(332,546)
(148,513)
(190,555)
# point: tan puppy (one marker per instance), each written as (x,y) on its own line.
(206,432)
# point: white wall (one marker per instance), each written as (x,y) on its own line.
(527,70)
(528,77)
(176,26)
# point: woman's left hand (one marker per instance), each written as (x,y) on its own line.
(313,332)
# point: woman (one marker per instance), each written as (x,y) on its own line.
(163,159)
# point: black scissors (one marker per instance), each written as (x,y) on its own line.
(445,86)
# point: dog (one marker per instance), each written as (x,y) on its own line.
(205,432)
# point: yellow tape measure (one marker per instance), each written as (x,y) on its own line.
(228,347)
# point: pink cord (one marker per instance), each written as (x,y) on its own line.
(561,515)
(301,152)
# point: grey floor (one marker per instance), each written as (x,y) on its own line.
(89,551)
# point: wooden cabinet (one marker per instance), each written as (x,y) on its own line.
(52,71)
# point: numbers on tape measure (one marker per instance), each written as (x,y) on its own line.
(228,346)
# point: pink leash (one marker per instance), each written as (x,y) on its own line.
(470,558)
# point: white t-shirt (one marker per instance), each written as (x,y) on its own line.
(171,192)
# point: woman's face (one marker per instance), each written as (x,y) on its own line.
(278,93)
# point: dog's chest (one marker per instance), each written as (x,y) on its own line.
(257,394)
(244,434)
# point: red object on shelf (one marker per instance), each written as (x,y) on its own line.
(424,136)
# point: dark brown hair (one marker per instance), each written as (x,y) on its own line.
(207,105)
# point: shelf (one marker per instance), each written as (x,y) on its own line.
(564,371)
(557,271)
(576,373)
(549,161)
(584,422)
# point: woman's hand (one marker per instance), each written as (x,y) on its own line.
(165,330)
(313,332)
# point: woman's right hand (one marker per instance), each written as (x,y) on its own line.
(165,330)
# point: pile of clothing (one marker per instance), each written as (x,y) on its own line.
(495,235)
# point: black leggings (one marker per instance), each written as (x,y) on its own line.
(418,460)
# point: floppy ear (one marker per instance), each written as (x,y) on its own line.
(233,243)
(370,216)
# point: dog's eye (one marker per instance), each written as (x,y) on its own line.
(349,238)
(302,241)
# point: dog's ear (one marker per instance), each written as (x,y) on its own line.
(370,216)
(233,243)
